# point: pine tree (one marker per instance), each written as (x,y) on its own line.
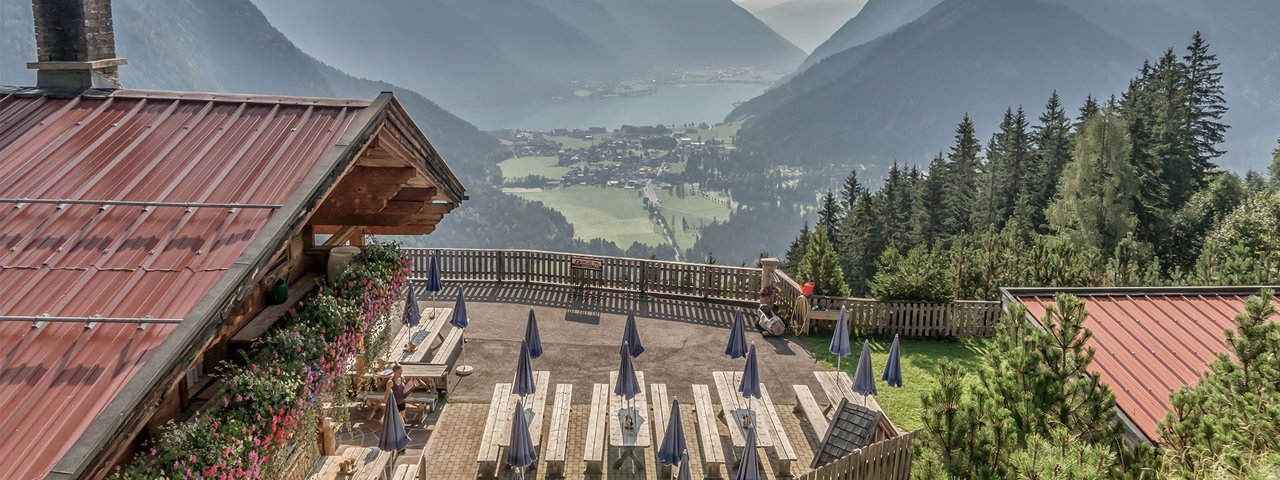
(1152,201)
(893,207)
(795,252)
(926,214)
(862,242)
(829,215)
(1094,206)
(1205,104)
(852,189)
(1171,142)
(821,266)
(1052,143)
(1273,170)
(1087,110)
(962,179)
(1006,172)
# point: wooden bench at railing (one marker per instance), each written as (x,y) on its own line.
(960,318)
(885,460)
(647,277)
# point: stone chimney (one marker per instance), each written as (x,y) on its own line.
(75,45)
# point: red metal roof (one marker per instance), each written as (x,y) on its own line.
(1150,345)
(126,261)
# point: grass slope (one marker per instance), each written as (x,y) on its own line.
(521,167)
(696,209)
(920,359)
(613,214)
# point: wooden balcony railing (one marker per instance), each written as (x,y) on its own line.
(960,318)
(651,277)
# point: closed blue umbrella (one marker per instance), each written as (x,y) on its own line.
(433,275)
(531,336)
(840,339)
(412,315)
(893,367)
(864,382)
(750,385)
(631,336)
(737,347)
(459,312)
(393,438)
(673,443)
(749,469)
(521,454)
(628,386)
(684,467)
(524,383)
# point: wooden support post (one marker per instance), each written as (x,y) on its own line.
(767,267)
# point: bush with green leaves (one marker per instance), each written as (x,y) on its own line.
(920,275)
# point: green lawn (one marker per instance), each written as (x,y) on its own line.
(694,208)
(525,166)
(614,214)
(919,369)
(570,142)
(725,132)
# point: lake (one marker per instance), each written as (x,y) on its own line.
(671,104)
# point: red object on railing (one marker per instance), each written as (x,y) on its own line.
(807,289)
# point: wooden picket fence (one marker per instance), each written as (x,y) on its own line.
(650,277)
(885,460)
(961,318)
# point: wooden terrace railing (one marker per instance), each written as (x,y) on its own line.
(651,277)
(960,318)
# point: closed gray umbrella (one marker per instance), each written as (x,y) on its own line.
(459,311)
(412,315)
(521,454)
(737,347)
(393,438)
(750,385)
(673,442)
(631,336)
(524,383)
(684,467)
(628,385)
(749,469)
(864,381)
(531,336)
(840,339)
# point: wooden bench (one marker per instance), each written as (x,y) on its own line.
(447,354)
(487,456)
(264,320)
(708,433)
(661,409)
(558,439)
(421,402)
(781,443)
(597,429)
(805,403)
(405,472)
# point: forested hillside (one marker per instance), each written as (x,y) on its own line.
(876,19)
(1122,190)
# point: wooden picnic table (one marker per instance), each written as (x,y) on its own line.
(735,406)
(534,407)
(838,385)
(371,463)
(629,441)
(424,373)
(423,337)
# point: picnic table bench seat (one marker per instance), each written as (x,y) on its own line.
(487,454)
(661,410)
(708,433)
(447,354)
(405,472)
(597,428)
(558,438)
(805,403)
(781,443)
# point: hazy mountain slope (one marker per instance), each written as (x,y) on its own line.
(875,19)
(469,53)
(901,96)
(809,23)
(702,33)
(462,52)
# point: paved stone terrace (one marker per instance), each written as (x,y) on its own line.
(684,342)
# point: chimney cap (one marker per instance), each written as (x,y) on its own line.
(90,65)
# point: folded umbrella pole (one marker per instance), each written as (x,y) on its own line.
(737,347)
(864,383)
(434,285)
(840,339)
(750,385)
(673,442)
(892,375)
